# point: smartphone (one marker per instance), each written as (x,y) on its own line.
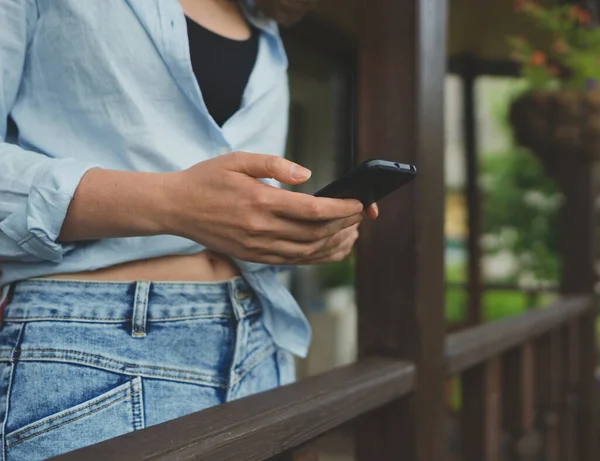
(370,181)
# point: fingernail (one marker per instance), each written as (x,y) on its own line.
(376,208)
(359,207)
(299,172)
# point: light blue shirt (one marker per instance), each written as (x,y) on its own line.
(109,83)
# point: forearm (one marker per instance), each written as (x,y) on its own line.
(113,204)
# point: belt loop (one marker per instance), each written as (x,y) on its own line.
(140,309)
(234,294)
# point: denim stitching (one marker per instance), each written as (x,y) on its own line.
(191,317)
(89,319)
(245,314)
(209,381)
(132,405)
(59,281)
(137,411)
(140,309)
(68,422)
(37,280)
(113,320)
(253,361)
(106,359)
(14,358)
(174,378)
(94,402)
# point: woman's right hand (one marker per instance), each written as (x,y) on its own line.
(221,204)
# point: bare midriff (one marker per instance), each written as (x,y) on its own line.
(206,266)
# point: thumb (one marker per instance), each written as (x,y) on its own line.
(268,166)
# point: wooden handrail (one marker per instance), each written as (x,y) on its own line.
(267,424)
(498,286)
(476,345)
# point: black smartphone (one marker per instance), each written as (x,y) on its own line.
(370,181)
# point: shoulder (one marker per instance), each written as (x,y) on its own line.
(258,18)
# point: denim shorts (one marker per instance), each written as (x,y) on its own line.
(82,362)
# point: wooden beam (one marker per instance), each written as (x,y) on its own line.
(513,397)
(473,196)
(480,66)
(480,413)
(570,379)
(587,416)
(578,251)
(547,386)
(400,294)
(475,346)
(518,398)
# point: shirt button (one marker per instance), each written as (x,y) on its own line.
(223,150)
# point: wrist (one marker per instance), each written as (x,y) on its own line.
(168,199)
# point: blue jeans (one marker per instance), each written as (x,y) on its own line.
(82,362)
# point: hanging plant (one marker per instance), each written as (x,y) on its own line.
(559,114)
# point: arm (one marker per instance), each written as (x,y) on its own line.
(34,190)
(220,204)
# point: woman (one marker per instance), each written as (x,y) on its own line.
(139,254)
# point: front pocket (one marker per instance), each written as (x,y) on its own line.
(106,416)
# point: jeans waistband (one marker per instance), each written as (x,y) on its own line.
(57,299)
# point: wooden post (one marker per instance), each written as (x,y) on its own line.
(547,390)
(481,412)
(578,251)
(400,293)
(475,292)
(518,399)
(570,378)
(513,396)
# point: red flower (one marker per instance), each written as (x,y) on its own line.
(582,16)
(559,46)
(538,58)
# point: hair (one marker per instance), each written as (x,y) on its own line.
(285,12)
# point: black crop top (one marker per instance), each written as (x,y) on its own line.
(222,67)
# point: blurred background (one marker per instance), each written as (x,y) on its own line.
(501,204)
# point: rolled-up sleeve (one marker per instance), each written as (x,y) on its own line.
(35,190)
(35,223)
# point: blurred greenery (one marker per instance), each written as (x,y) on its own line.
(521,213)
(497,304)
(338,274)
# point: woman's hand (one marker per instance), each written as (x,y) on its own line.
(372,212)
(221,204)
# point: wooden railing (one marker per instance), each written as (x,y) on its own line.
(531,296)
(273,423)
(516,382)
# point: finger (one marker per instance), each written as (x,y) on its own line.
(307,231)
(341,241)
(298,252)
(294,253)
(305,207)
(336,255)
(372,211)
(266,166)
